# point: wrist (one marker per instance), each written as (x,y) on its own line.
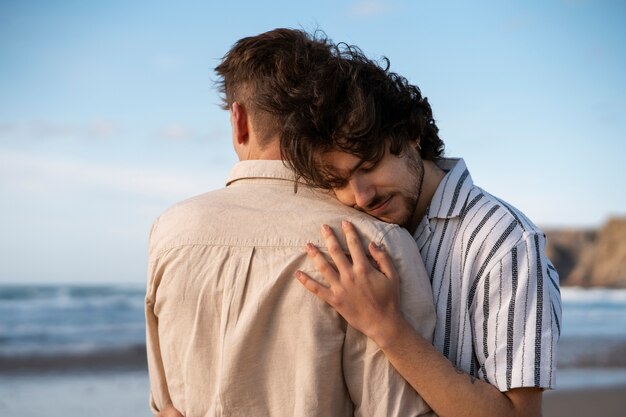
(391,331)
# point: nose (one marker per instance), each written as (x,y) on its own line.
(362,192)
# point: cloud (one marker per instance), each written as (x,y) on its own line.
(368,8)
(45,129)
(93,129)
(102,129)
(177,132)
(8,128)
(41,174)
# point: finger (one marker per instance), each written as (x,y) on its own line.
(313,286)
(336,252)
(169,411)
(383,260)
(328,272)
(359,258)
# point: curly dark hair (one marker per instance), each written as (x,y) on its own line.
(358,106)
(317,96)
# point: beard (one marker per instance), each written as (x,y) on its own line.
(411,193)
(407,195)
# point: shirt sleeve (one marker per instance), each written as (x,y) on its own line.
(375,387)
(516,318)
(159,395)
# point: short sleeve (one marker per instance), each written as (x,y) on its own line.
(516,318)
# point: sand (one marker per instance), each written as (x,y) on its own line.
(593,402)
(111,394)
(125,394)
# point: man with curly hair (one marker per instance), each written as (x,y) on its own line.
(229,331)
(369,136)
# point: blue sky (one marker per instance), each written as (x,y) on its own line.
(108,113)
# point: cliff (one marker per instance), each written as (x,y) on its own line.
(590,257)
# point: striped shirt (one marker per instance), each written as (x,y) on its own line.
(496,294)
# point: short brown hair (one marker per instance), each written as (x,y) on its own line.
(265,73)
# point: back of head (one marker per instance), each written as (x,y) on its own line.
(358,106)
(266,72)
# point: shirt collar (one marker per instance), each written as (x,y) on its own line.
(452,192)
(273,169)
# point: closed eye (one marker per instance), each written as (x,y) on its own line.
(367,167)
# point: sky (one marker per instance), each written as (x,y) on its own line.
(109,112)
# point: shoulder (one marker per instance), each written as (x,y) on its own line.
(191,208)
(261,215)
(490,227)
(484,210)
(314,207)
(379,231)
(183,217)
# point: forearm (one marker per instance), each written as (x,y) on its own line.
(450,391)
(368,299)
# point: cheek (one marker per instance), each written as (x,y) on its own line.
(344,196)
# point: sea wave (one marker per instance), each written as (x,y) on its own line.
(27,298)
(86,358)
(594,313)
(107,323)
(69,319)
(599,295)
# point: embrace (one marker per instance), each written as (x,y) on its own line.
(348,267)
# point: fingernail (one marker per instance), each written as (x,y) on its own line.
(308,247)
(375,245)
(325,229)
(345,224)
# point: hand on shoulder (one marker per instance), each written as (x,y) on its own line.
(169,411)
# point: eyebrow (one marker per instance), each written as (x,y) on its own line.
(339,176)
(356,167)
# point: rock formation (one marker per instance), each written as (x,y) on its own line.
(588,257)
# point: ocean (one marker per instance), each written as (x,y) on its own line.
(80,350)
(71,326)
(59,327)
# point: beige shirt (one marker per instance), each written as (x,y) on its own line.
(230,332)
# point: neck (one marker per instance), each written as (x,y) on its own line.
(271,152)
(253,151)
(432,178)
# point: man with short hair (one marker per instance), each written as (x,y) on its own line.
(229,332)
(496,294)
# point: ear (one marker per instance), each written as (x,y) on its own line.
(239,123)
(416,144)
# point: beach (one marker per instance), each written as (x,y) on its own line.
(80,351)
(125,394)
(111,394)
(592,402)
(118,386)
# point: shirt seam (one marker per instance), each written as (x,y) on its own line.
(229,245)
(525,236)
(379,236)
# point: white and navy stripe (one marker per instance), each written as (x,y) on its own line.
(496,294)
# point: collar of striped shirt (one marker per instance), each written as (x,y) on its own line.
(448,200)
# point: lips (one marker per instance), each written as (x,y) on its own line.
(379,209)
